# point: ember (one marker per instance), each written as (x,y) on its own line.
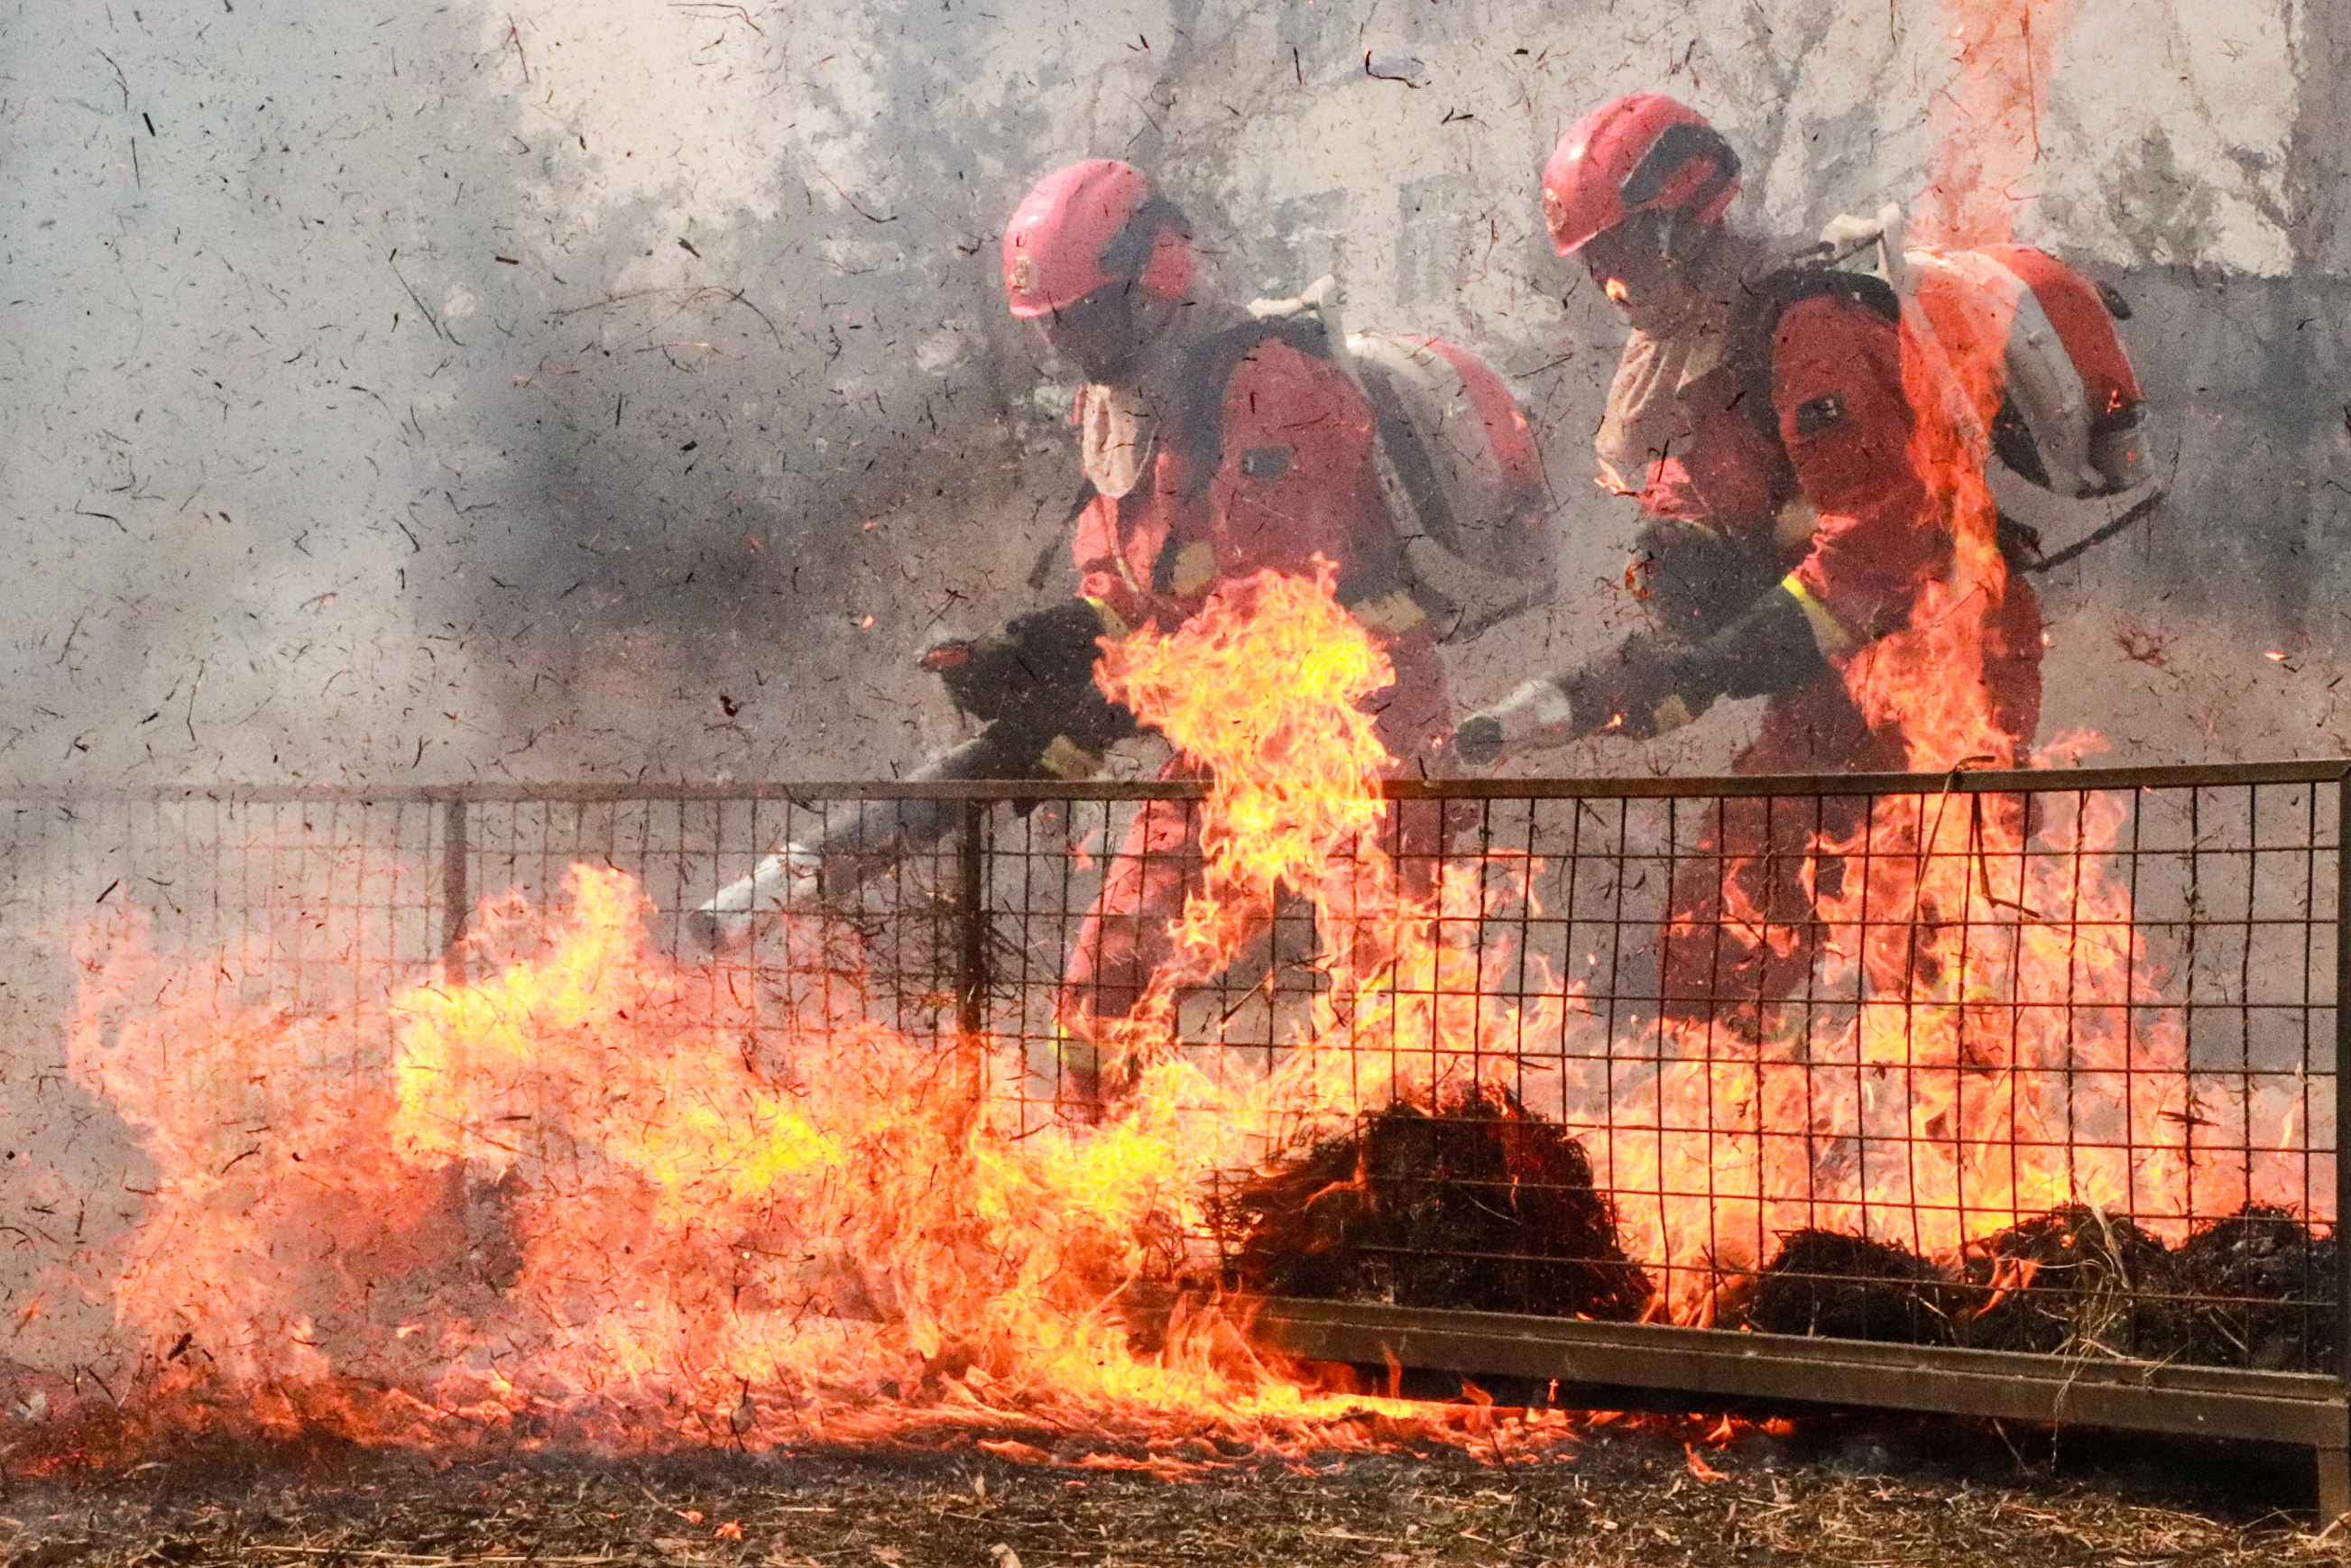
(2076,1282)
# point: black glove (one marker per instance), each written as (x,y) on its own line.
(1648,684)
(1770,648)
(1040,653)
(1631,689)
(1697,582)
(1032,685)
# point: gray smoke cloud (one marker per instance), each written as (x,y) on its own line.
(426,393)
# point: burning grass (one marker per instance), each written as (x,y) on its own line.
(599,1198)
(2256,1289)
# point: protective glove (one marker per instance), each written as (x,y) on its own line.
(1696,580)
(1038,653)
(1647,685)
(1632,690)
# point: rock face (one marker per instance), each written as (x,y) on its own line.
(488,389)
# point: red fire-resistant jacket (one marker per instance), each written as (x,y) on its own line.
(1261,457)
(1842,430)
(1797,444)
(1254,452)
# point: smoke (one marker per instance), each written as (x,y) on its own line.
(478,390)
(441,392)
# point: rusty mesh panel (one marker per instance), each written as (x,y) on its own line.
(2045,1066)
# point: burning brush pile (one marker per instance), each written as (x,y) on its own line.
(1470,1202)
(2255,1290)
(1476,1205)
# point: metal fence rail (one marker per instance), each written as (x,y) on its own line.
(1922,1012)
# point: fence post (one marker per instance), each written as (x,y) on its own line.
(971,930)
(2334,1463)
(457,892)
(971,965)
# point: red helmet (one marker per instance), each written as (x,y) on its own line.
(1640,153)
(1088,224)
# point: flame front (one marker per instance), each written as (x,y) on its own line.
(599,1195)
(597,1192)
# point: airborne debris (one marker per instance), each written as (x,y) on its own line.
(1395,67)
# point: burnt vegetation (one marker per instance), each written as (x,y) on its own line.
(2253,1289)
(1833,1490)
(1467,1200)
(1849,1287)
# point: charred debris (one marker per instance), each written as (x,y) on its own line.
(1467,1200)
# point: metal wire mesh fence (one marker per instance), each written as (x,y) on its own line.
(2021,1061)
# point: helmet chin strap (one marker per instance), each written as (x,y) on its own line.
(1170,270)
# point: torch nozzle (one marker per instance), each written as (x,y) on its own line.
(785,880)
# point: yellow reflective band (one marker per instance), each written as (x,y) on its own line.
(1114,626)
(1067,760)
(1195,568)
(1390,613)
(1828,632)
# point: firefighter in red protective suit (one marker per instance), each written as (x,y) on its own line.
(1215,445)
(1758,417)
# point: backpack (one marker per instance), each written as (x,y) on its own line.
(2070,444)
(1456,463)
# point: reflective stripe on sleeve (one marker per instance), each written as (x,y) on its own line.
(1067,760)
(1388,614)
(1828,632)
(1114,626)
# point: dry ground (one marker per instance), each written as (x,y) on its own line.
(1849,1493)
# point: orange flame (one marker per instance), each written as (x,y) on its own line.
(599,1192)
(599,1196)
(1264,688)
(1986,122)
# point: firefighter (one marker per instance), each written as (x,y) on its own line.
(1757,419)
(1215,444)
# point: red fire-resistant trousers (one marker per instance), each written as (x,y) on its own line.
(1743,929)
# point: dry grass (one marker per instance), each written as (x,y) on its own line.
(1850,1492)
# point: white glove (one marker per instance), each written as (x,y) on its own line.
(1534,717)
(784,880)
